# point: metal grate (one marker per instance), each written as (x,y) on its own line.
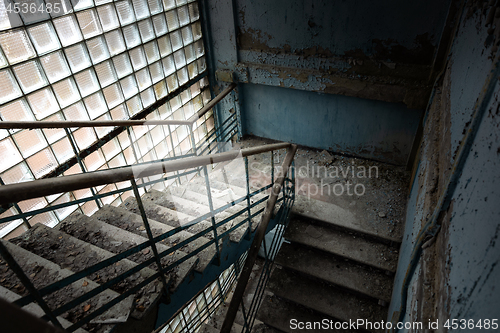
(96,60)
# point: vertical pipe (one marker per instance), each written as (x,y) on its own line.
(211,205)
(173,151)
(27,284)
(148,230)
(80,162)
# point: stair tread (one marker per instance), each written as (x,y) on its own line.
(334,215)
(77,255)
(34,308)
(279,313)
(342,244)
(43,272)
(326,299)
(334,270)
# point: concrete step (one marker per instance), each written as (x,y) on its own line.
(324,298)
(76,255)
(43,272)
(335,270)
(131,222)
(33,308)
(195,209)
(289,317)
(343,244)
(116,240)
(336,216)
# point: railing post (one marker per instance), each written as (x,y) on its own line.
(248,200)
(211,206)
(178,179)
(148,231)
(193,145)
(27,284)
(16,206)
(80,162)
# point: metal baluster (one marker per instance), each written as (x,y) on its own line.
(211,206)
(27,284)
(193,144)
(173,151)
(16,206)
(80,162)
(134,151)
(248,200)
(150,234)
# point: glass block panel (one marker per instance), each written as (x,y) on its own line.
(110,198)
(172,20)
(187,35)
(115,41)
(76,112)
(190,53)
(156,71)
(94,161)
(164,46)
(157,135)
(68,30)
(134,105)
(102,131)
(181,2)
(175,103)
(63,150)
(143,79)
(10,154)
(183,14)
(44,38)
(160,89)
(82,4)
(43,103)
(53,135)
(139,131)
(8,86)
(7,21)
(194,11)
(100,2)
(66,92)
(152,52)
(42,163)
(129,155)
(168,65)
(3,60)
(176,40)
(202,65)
(96,105)
(180,59)
(141,9)
(30,12)
(55,66)
(106,73)
(145,144)
(183,76)
(113,95)
(98,49)
(148,97)
(155,6)
(131,34)
(111,149)
(199,49)
(78,57)
(124,140)
(30,76)
(125,12)
(122,65)
(16,46)
(87,82)
(16,111)
(32,204)
(89,23)
(30,141)
(196,30)
(84,137)
(64,5)
(129,86)
(169,4)
(119,113)
(63,213)
(117,161)
(146,30)
(108,18)
(19,173)
(172,83)
(138,58)
(160,25)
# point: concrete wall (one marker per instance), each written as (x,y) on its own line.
(458,272)
(374,51)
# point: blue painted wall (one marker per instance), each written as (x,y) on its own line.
(350,125)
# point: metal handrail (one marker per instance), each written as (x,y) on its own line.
(43,187)
(259,236)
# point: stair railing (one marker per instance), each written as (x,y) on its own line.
(43,187)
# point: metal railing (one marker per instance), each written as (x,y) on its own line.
(22,191)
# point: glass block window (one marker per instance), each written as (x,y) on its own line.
(97,60)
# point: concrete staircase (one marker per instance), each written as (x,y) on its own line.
(50,254)
(329,272)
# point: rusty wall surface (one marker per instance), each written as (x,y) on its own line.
(458,273)
(381,51)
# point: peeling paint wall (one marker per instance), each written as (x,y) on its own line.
(373,51)
(458,273)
